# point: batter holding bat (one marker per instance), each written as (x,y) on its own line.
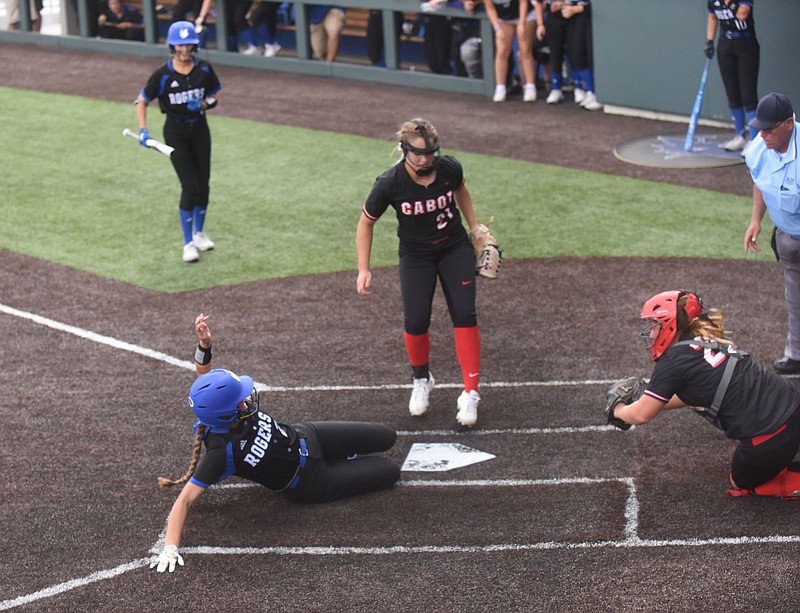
(697,367)
(429,196)
(738,54)
(185,87)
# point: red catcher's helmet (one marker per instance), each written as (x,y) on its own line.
(662,311)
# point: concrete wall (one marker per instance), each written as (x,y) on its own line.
(648,54)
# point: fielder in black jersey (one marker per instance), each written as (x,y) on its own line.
(429,196)
(309,462)
(185,87)
(738,54)
(697,367)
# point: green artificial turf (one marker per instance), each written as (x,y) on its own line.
(285,201)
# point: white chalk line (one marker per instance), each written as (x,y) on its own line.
(60,588)
(186,364)
(631,506)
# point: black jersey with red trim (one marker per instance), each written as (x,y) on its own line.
(257,448)
(757,401)
(174,90)
(425,215)
(726,16)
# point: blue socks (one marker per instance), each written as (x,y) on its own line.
(738,120)
(187,219)
(199,218)
(753,131)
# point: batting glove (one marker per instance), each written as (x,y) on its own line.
(709,49)
(144,136)
(194,105)
(167,560)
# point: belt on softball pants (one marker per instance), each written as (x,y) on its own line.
(735,35)
(303,460)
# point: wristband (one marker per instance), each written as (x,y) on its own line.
(496,28)
(211,102)
(202,356)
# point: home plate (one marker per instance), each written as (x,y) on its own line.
(439,457)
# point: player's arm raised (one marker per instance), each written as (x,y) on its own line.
(202,354)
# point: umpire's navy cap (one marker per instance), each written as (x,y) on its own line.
(772,109)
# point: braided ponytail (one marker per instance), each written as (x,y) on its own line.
(198,446)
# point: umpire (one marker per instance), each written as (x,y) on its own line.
(186,87)
(772,160)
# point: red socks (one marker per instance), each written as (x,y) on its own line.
(468,350)
(418,347)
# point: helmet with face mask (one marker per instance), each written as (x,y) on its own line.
(215,398)
(424,129)
(663,311)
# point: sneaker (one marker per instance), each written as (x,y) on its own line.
(580,95)
(250,50)
(555,96)
(271,50)
(468,408)
(202,242)
(736,143)
(499,94)
(190,253)
(590,102)
(529,94)
(420,396)
(786,366)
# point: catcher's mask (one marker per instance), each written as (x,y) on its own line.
(215,398)
(668,312)
(428,133)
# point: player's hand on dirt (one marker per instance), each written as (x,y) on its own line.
(202,330)
(364,283)
(167,559)
(144,136)
(751,238)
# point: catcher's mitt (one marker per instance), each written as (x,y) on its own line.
(627,391)
(487,254)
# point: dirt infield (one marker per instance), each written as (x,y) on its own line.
(570,515)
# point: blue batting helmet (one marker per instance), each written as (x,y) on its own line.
(216,395)
(182,33)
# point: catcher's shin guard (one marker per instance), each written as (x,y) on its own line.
(786,485)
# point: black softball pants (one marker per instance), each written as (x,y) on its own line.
(332,472)
(738,65)
(758,460)
(454,267)
(191,159)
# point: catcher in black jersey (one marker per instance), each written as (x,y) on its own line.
(697,367)
(186,87)
(429,196)
(308,462)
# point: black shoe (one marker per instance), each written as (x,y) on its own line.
(786,366)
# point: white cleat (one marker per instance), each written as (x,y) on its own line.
(190,253)
(580,95)
(737,143)
(250,50)
(420,396)
(499,94)
(202,242)
(555,96)
(529,93)
(468,408)
(590,102)
(271,50)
